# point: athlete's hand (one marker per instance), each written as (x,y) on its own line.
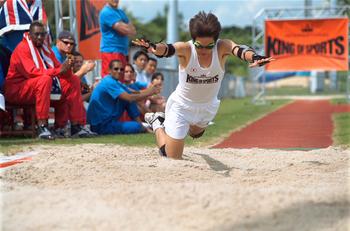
(259,60)
(146,44)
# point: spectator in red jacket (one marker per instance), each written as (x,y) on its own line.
(33,67)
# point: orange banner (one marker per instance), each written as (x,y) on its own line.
(313,44)
(88,27)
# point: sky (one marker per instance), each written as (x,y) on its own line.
(230,12)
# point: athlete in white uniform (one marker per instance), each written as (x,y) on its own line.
(194,103)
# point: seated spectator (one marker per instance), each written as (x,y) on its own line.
(29,81)
(80,69)
(140,60)
(130,81)
(110,99)
(15,19)
(150,69)
(64,45)
(156,103)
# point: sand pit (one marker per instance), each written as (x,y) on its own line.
(110,187)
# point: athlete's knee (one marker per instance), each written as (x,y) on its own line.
(198,135)
(162,151)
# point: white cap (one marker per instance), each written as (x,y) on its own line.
(2,102)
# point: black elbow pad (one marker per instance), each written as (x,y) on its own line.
(171,50)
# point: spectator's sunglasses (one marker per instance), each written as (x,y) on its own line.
(200,46)
(67,42)
(118,69)
(37,34)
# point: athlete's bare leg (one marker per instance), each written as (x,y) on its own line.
(173,147)
(160,137)
(195,130)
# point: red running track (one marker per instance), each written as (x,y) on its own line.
(300,124)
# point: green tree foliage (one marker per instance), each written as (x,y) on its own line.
(153,30)
(343,3)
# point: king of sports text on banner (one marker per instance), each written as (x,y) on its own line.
(313,44)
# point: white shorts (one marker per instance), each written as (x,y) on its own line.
(179,115)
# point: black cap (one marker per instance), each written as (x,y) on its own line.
(66,35)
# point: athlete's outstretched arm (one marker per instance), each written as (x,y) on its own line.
(161,49)
(245,53)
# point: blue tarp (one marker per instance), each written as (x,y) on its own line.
(273,76)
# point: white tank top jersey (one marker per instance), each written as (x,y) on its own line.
(198,84)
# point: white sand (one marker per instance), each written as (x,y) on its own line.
(110,187)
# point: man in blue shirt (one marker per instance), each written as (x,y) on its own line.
(110,99)
(64,45)
(115,29)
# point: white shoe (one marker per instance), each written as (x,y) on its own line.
(155,120)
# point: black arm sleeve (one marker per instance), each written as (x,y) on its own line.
(169,51)
(242,49)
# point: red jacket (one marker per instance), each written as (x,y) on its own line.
(22,65)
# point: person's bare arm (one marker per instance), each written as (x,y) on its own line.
(228,47)
(85,68)
(141,95)
(181,49)
(127,29)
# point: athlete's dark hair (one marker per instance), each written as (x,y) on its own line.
(110,65)
(205,25)
(35,24)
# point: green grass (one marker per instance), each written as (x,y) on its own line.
(233,113)
(283,91)
(341,133)
(339,101)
